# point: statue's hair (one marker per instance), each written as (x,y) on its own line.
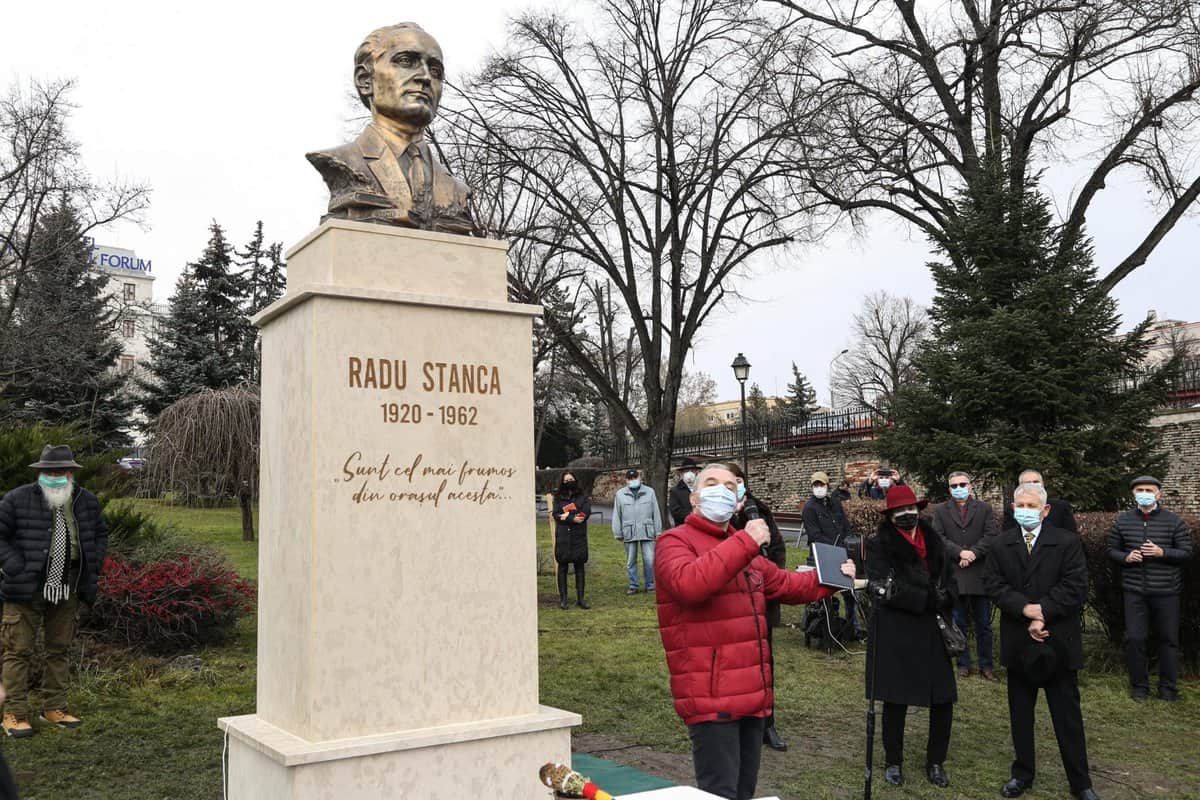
(373,46)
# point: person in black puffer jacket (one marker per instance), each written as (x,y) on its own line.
(52,541)
(1151,544)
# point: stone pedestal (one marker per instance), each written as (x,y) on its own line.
(397,643)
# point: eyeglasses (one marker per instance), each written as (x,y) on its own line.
(959,485)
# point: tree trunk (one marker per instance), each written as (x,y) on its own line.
(245,499)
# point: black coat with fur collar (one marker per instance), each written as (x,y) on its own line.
(913,666)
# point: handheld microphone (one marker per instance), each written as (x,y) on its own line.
(750,509)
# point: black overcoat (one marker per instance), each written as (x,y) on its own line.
(26,527)
(776,549)
(679,502)
(570,537)
(913,667)
(1055,577)
(977,534)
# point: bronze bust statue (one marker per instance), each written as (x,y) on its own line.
(389,175)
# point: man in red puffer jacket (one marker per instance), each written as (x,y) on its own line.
(713,584)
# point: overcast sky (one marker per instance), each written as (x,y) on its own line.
(215,104)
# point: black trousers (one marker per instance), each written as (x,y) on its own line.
(580,579)
(1062,695)
(726,755)
(1163,612)
(8,788)
(941,717)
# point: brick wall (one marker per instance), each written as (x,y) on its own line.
(1180,432)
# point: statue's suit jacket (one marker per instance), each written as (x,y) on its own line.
(367,182)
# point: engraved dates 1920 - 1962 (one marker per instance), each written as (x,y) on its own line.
(415,413)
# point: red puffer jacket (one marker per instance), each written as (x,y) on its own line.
(712,585)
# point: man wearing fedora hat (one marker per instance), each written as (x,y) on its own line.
(1037,575)
(52,540)
(1151,544)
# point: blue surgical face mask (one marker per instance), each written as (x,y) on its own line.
(1028,518)
(741,492)
(960,492)
(53,482)
(717,503)
(884,483)
(635,484)
(1145,499)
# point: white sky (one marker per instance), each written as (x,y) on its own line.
(215,104)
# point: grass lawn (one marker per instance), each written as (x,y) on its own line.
(151,730)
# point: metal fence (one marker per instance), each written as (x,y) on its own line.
(843,426)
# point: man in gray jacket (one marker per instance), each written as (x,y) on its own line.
(968,527)
(1151,544)
(637,522)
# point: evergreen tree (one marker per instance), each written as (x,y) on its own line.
(201,343)
(1024,366)
(758,409)
(801,400)
(263,282)
(60,352)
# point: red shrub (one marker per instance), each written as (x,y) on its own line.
(169,604)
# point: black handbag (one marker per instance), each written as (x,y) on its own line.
(952,637)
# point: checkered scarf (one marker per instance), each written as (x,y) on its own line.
(56,589)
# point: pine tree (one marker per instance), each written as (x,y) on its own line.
(61,352)
(1024,366)
(801,400)
(201,344)
(758,409)
(263,283)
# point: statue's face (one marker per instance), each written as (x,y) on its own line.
(407,82)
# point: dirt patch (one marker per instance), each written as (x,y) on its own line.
(674,767)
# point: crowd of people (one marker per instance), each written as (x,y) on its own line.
(720,576)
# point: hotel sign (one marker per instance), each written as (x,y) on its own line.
(115,258)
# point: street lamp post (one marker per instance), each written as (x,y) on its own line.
(835,358)
(741,371)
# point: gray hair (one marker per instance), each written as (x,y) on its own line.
(373,47)
(959,474)
(1034,489)
(1041,477)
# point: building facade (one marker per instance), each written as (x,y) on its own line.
(130,289)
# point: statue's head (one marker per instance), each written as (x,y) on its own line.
(398,73)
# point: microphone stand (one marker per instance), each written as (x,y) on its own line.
(872,642)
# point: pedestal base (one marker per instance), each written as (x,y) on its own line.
(496,758)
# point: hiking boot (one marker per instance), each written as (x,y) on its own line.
(17,728)
(60,717)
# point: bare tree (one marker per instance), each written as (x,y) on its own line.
(205,450)
(696,391)
(884,336)
(663,139)
(40,170)
(922,99)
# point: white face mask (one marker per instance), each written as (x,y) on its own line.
(885,483)
(819,492)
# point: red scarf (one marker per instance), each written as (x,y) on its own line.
(916,539)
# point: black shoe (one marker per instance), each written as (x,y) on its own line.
(773,740)
(1139,695)
(563,604)
(632,590)
(584,603)
(893,775)
(936,774)
(1170,697)
(1015,788)
(1087,794)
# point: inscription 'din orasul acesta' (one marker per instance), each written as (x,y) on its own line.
(434,376)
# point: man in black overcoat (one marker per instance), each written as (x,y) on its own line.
(679,499)
(1037,575)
